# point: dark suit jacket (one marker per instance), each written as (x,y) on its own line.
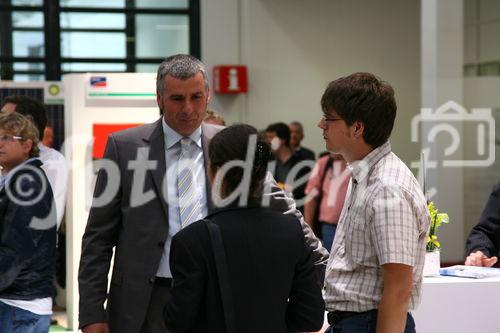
(270,273)
(138,233)
(305,154)
(485,236)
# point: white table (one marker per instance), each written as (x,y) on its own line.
(452,304)
(457,305)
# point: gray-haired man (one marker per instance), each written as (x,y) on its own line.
(142,233)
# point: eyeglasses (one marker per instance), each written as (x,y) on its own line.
(327,119)
(9,138)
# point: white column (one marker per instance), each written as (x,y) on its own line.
(442,81)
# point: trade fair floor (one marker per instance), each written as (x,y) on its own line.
(62,322)
(449,304)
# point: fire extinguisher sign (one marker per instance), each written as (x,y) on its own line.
(230,79)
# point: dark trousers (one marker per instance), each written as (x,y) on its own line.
(365,322)
(328,234)
(155,322)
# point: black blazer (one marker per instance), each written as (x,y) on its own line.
(271,275)
(485,236)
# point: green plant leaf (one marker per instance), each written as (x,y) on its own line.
(436,220)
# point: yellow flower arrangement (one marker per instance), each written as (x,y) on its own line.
(436,220)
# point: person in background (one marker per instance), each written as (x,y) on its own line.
(374,274)
(54,164)
(48,136)
(27,231)
(278,136)
(483,242)
(296,137)
(140,234)
(329,179)
(48,141)
(213,117)
(270,272)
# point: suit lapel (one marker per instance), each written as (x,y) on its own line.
(157,153)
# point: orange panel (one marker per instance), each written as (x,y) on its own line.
(101,133)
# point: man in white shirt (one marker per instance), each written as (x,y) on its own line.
(54,163)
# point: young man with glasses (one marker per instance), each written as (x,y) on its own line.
(54,164)
(27,230)
(374,274)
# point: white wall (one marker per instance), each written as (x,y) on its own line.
(442,81)
(293,48)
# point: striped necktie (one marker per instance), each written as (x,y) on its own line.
(189,205)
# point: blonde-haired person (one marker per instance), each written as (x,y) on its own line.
(27,230)
(213,117)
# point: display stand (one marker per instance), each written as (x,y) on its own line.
(95,101)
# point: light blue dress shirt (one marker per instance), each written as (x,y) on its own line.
(172,153)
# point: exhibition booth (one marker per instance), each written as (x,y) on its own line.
(86,108)
(96,105)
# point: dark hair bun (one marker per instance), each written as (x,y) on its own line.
(234,143)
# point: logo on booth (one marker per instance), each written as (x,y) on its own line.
(54,89)
(98,81)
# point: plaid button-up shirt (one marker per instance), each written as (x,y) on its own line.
(384,220)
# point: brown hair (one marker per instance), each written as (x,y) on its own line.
(231,144)
(31,108)
(365,98)
(19,125)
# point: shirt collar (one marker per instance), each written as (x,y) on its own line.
(172,137)
(360,169)
(42,147)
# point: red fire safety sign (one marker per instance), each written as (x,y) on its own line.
(230,79)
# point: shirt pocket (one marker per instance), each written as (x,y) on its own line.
(358,244)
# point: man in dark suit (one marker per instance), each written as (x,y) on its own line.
(483,243)
(296,137)
(142,217)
